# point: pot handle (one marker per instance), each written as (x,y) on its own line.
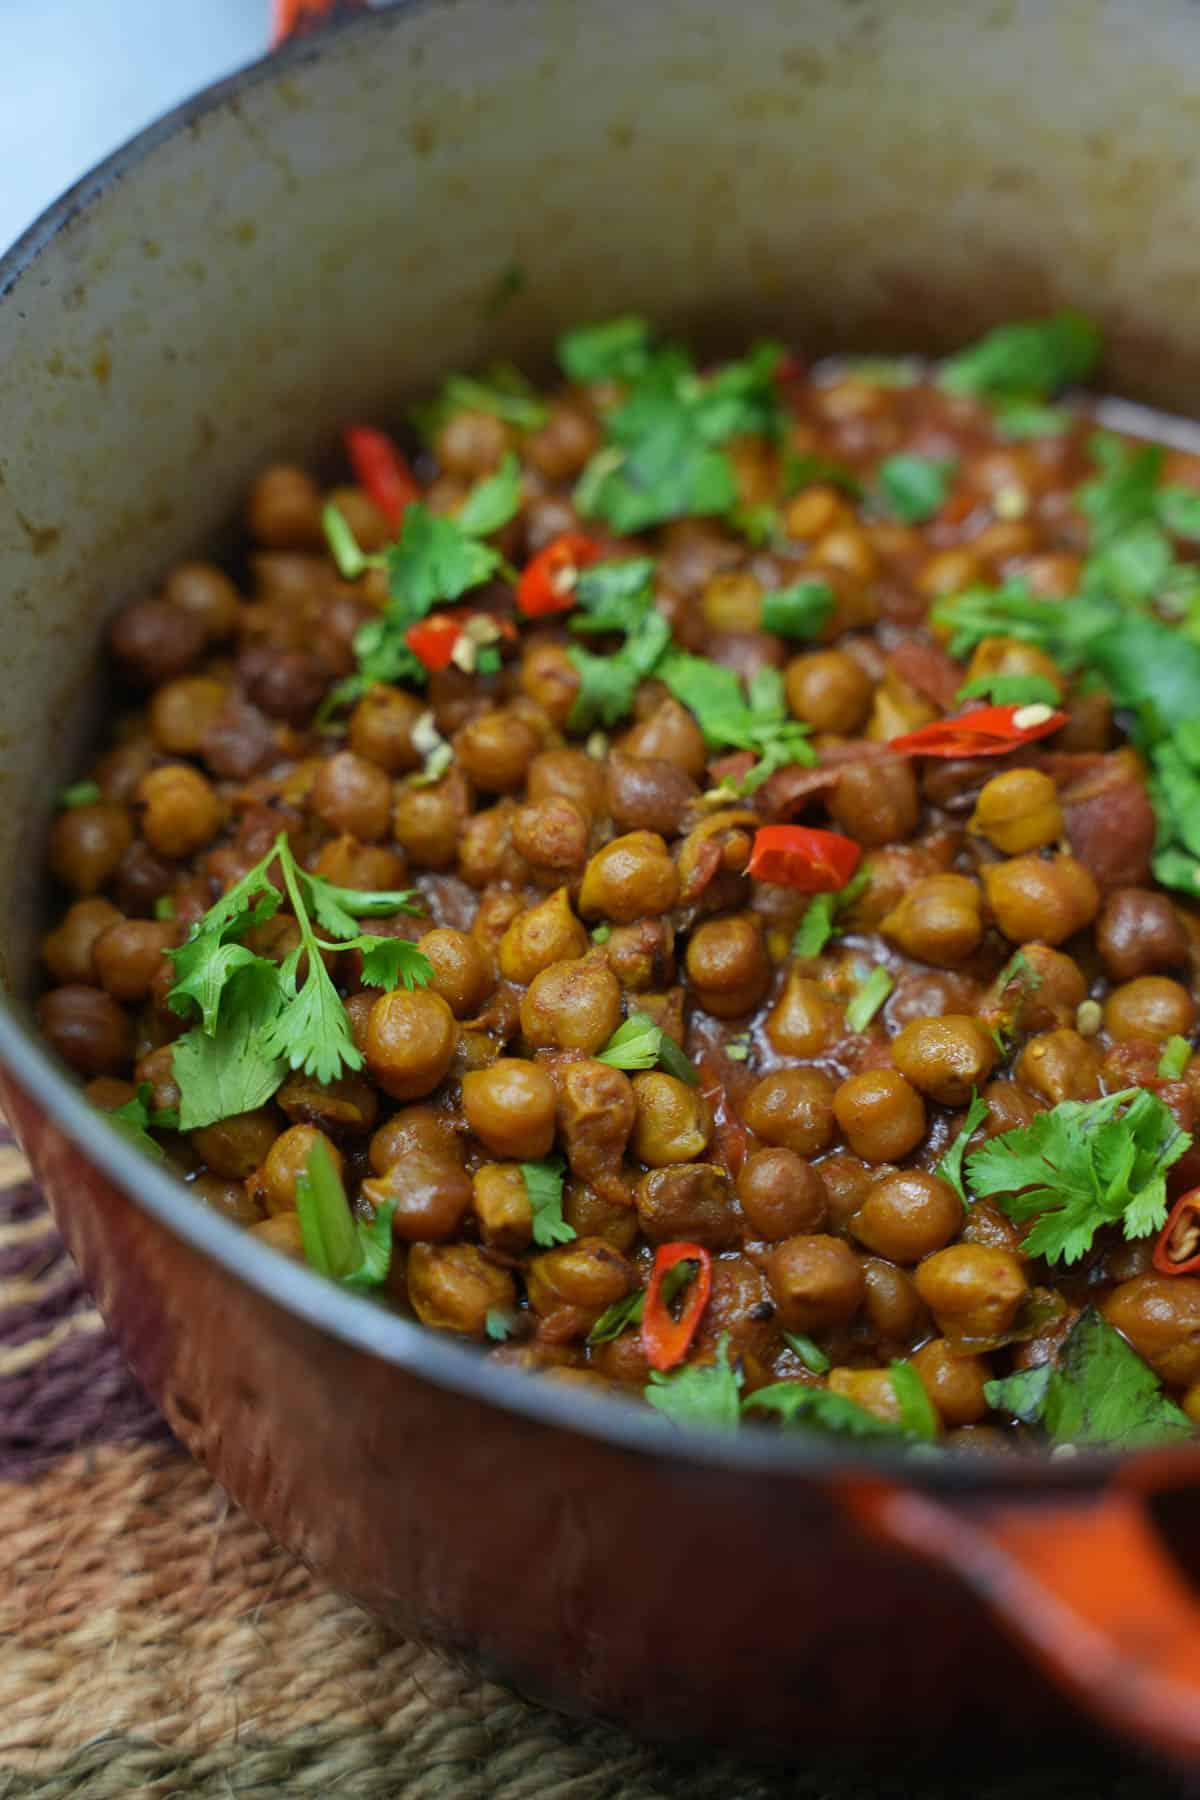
(1083,1582)
(294,18)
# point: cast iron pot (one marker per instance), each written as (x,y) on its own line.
(314,240)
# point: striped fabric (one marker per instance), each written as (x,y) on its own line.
(154,1642)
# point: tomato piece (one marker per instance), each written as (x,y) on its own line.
(547,583)
(1177,1251)
(665,1338)
(987,731)
(381,471)
(801,857)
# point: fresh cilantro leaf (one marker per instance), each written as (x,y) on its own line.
(618,1317)
(544,1186)
(228,1070)
(614,596)
(1124,492)
(1148,667)
(337,1244)
(80,793)
(917,1417)
(703,1394)
(311,1031)
(136,1118)
(492,502)
(739,399)
(435,559)
(1064,629)
(757,524)
(1132,567)
(738,1049)
(816,927)
(1099,1392)
(1010,690)
(1018,969)
(913,488)
(393,963)
(799,611)
(488,660)
(729,720)
(343,545)
(607,684)
(1176,1055)
(950,1167)
(1081,1166)
(867,999)
(600,934)
(800,471)
(615,350)
(810,1354)
(672,1059)
(633,1045)
(1034,358)
(498,1323)
(502,391)
(1016,419)
(1179,510)
(817,1409)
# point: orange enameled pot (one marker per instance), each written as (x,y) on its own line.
(313,241)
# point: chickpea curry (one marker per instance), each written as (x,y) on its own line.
(687,878)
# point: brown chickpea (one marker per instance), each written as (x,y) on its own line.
(1009,656)
(368,526)
(1057,995)
(226,1197)
(470,443)
(1034,898)
(207,593)
(881,1114)
(381,729)
(550,677)
(427,822)
(559,448)
(500,1202)
(876,802)
(282,1233)
(673,1122)
(782,1195)
(1160,1315)
(590,1215)
(274,1183)
(847,1181)
(688,1203)
(453,1287)
(642,956)
(87,844)
(544,934)
(352,795)
(68,950)
(495,750)
(284,509)
(954,1381)
(588,1275)
(727,965)
(648,793)
(510,1108)
(572,1005)
(1151,1006)
(872,1389)
(893,1306)
(154,641)
(987,1225)
(972,1290)
(804,1021)
(830,691)
(182,712)
(157,1069)
(430,1194)
(815,510)
(233,1148)
(348,1105)
(87,1029)
(631,878)
(732,601)
(462,972)
(949,572)
(552,835)
(793,1108)
(939,920)
(908,1215)
(485,849)
(1060,1065)
(945,1057)
(410,1042)
(128,956)
(1018,811)
(181,811)
(370,867)
(413,1128)
(817,1282)
(670,734)
(1139,932)
(568,775)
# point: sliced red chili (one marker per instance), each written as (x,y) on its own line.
(987,731)
(381,471)
(665,1338)
(801,857)
(1177,1251)
(434,640)
(547,583)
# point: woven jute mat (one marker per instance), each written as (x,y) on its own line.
(154,1642)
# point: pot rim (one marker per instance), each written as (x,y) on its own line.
(445,1362)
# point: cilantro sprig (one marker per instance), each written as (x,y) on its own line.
(913,488)
(1081,1166)
(819,922)
(641,1044)
(951,1166)
(1098,1391)
(1033,359)
(544,1187)
(757,720)
(256,1019)
(135,1119)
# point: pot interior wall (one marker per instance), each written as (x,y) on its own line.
(325,238)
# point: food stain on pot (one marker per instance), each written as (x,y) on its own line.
(42,538)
